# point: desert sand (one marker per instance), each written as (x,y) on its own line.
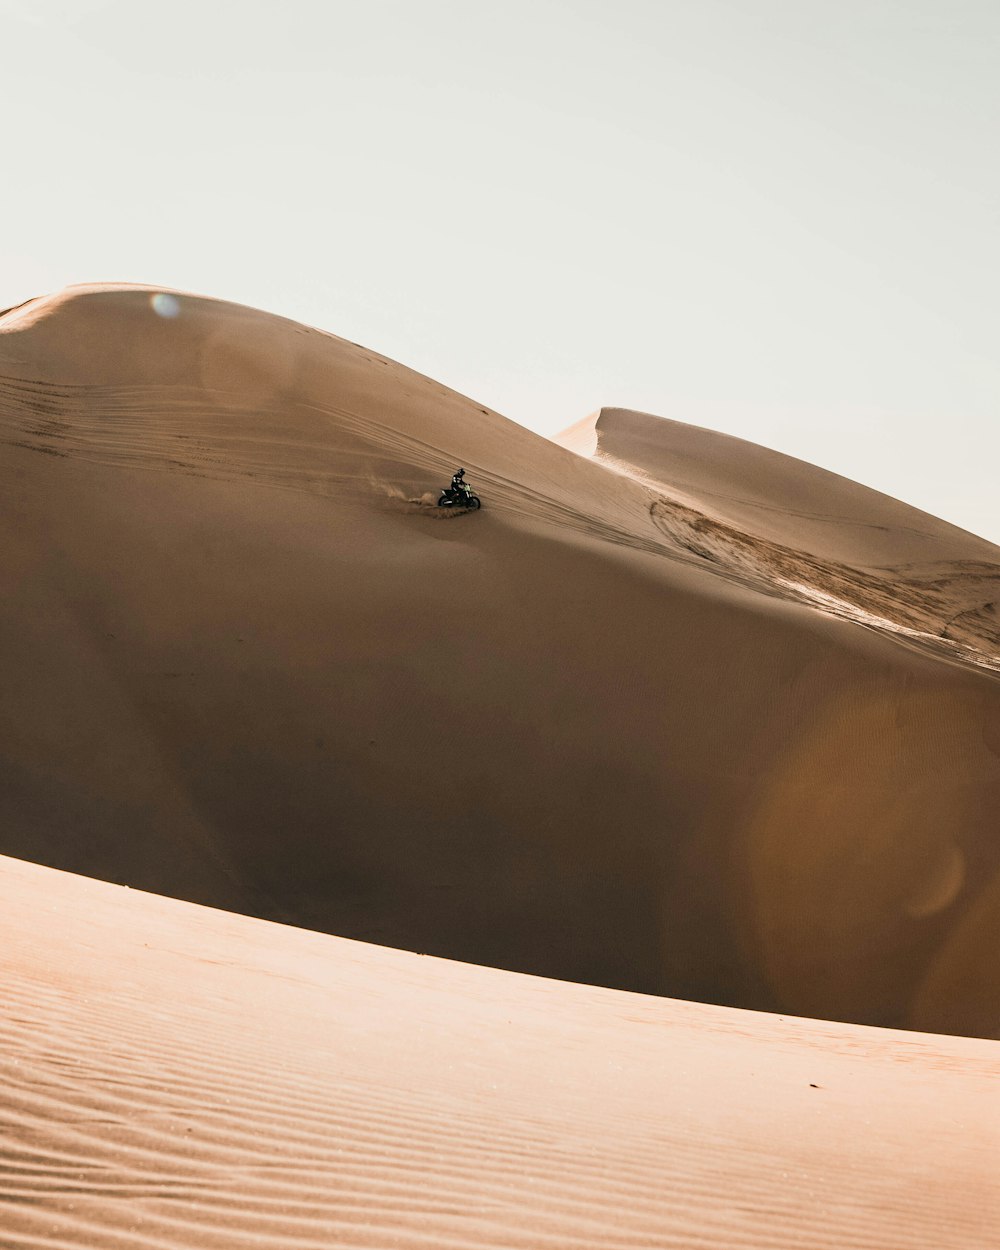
(673,715)
(176,1076)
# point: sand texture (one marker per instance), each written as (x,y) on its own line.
(178,1077)
(642,722)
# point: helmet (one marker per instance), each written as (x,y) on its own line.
(458,471)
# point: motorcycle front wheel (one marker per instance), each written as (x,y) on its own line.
(473,503)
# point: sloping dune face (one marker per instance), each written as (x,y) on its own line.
(179,1077)
(793,529)
(248,663)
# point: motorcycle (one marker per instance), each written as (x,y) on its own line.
(466,498)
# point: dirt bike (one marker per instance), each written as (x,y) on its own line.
(466,498)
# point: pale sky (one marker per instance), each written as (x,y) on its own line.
(776,218)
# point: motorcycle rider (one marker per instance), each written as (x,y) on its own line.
(459,494)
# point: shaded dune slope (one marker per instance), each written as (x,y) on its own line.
(178,1077)
(248,664)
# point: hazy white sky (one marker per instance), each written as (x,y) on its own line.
(777,218)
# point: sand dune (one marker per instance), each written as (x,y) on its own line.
(772,495)
(672,714)
(792,529)
(179,1077)
(248,664)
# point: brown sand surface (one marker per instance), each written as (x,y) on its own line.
(179,1077)
(805,533)
(774,495)
(249,664)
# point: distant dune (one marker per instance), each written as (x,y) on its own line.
(683,716)
(790,528)
(773,496)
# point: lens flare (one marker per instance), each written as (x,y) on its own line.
(165,305)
